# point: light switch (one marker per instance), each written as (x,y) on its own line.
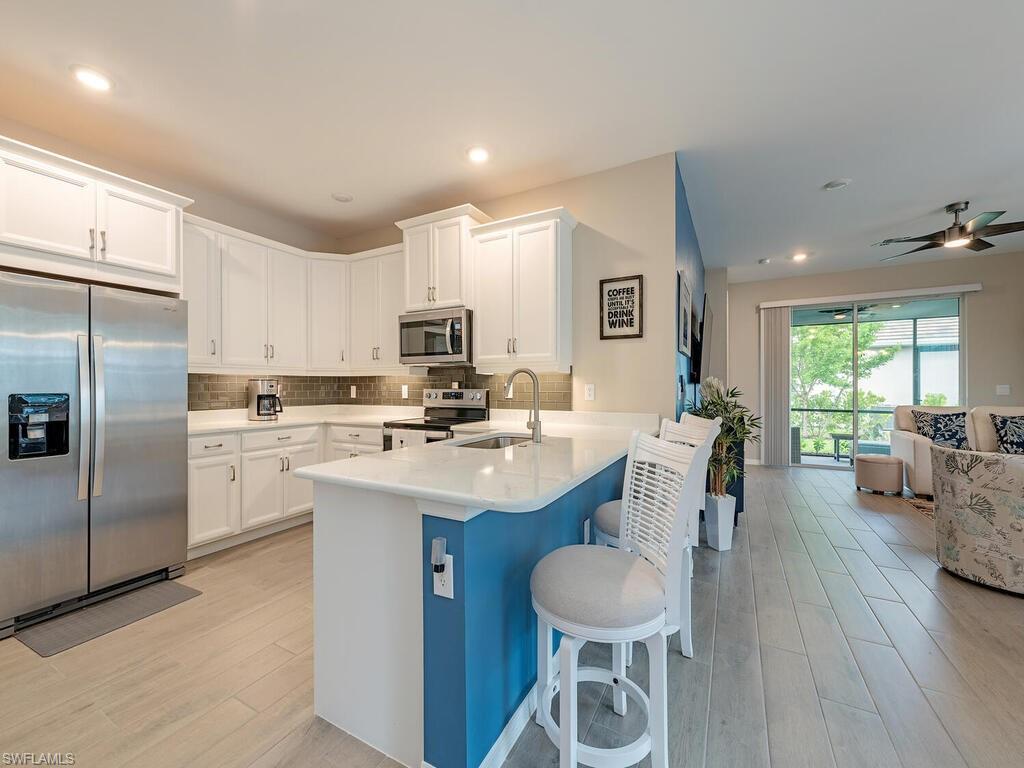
(352,391)
(586,531)
(590,392)
(1003,390)
(405,391)
(444,582)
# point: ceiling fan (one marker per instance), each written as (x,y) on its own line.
(959,235)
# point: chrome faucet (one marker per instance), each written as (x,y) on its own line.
(534,423)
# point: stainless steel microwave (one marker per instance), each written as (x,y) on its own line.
(437,337)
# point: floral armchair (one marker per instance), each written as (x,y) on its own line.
(979,515)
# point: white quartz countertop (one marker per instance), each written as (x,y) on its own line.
(207,422)
(520,478)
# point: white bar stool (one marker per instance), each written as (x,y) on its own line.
(618,596)
(696,432)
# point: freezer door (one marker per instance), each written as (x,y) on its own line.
(139,495)
(44,507)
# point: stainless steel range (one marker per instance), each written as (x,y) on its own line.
(443,409)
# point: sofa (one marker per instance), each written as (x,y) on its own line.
(979,515)
(915,449)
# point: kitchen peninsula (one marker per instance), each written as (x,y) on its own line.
(432,680)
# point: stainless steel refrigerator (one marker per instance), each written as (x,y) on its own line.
(93,489)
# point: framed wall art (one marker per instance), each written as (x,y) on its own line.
(622,307)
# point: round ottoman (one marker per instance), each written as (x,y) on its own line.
(878,473)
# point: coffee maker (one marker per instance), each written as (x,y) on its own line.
(264,400)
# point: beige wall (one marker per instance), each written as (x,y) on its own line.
(626,226)
(993,319)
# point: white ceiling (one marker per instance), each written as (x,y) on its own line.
(280,104)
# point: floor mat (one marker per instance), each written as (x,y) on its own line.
(50,637)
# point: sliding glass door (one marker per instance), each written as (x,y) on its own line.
(852,363)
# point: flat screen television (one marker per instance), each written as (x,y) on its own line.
(700,360)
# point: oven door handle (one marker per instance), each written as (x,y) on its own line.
(448,326)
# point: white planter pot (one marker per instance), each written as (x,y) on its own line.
(719,516)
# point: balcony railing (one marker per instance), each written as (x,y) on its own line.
(838,437)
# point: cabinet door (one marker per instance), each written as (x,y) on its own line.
(137,232)
(244,302)
(262,487)
(449,275)
(288,295)
(536,290)
(407,438)
(213,499)
(46,209)
(391,287)
(492,319)
(298,493)
(338,451)
(328,315)
(418,272)
(364,290)
(201,289)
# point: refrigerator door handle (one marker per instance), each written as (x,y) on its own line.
(101,415)
(84,418)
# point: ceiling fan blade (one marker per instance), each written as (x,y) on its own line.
(982,220)
(977,244)
(925,247)
(1000,229)
(934,237)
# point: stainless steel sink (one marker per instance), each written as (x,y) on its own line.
(497,441)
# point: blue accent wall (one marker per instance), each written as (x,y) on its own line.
(479,650)
(688,258)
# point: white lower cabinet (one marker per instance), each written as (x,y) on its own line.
(298,493)
(213,499)
(262,487)
(336,451)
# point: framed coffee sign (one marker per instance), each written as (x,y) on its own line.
(622,307)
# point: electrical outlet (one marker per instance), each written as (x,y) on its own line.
(405,391)
(352,391)
(444,582)
(586,531)
(1002,390)
(455,385)
(589,392)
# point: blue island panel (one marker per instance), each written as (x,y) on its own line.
(479,649)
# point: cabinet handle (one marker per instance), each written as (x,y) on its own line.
(353,435)
(266,354)
(103,242)
(343,355)
(213,346)
(92,240)
(515,345)
(215,445)
(352,455)
(271,350)
(285,437)
(282,464)
(232,468)
(508,346)
(288,463)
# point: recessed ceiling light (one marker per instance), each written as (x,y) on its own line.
(478,155)
(960,242)
(799,257)
(896,306)
(342,197)
(92,79)
(764,261)
(832,186)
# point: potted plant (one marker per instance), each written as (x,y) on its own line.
(739,425)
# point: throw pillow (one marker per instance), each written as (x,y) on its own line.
(950,429)
(1010,431)
(925,422)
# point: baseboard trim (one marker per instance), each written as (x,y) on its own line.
(245,536)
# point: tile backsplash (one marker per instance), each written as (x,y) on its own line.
(207,391)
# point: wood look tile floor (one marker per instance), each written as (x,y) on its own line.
(828,636)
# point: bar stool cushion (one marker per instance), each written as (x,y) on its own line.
(606,517)
(598,587)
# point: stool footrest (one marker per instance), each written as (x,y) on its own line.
(620,757)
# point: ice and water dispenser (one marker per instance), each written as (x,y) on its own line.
(37,425)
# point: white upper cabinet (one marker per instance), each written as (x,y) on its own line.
(46,208)
(377,291)
(61,217)
(287,313)
(438,260)
(244,303)
(137,232)
(328,315)
(523,279)
(201,289)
